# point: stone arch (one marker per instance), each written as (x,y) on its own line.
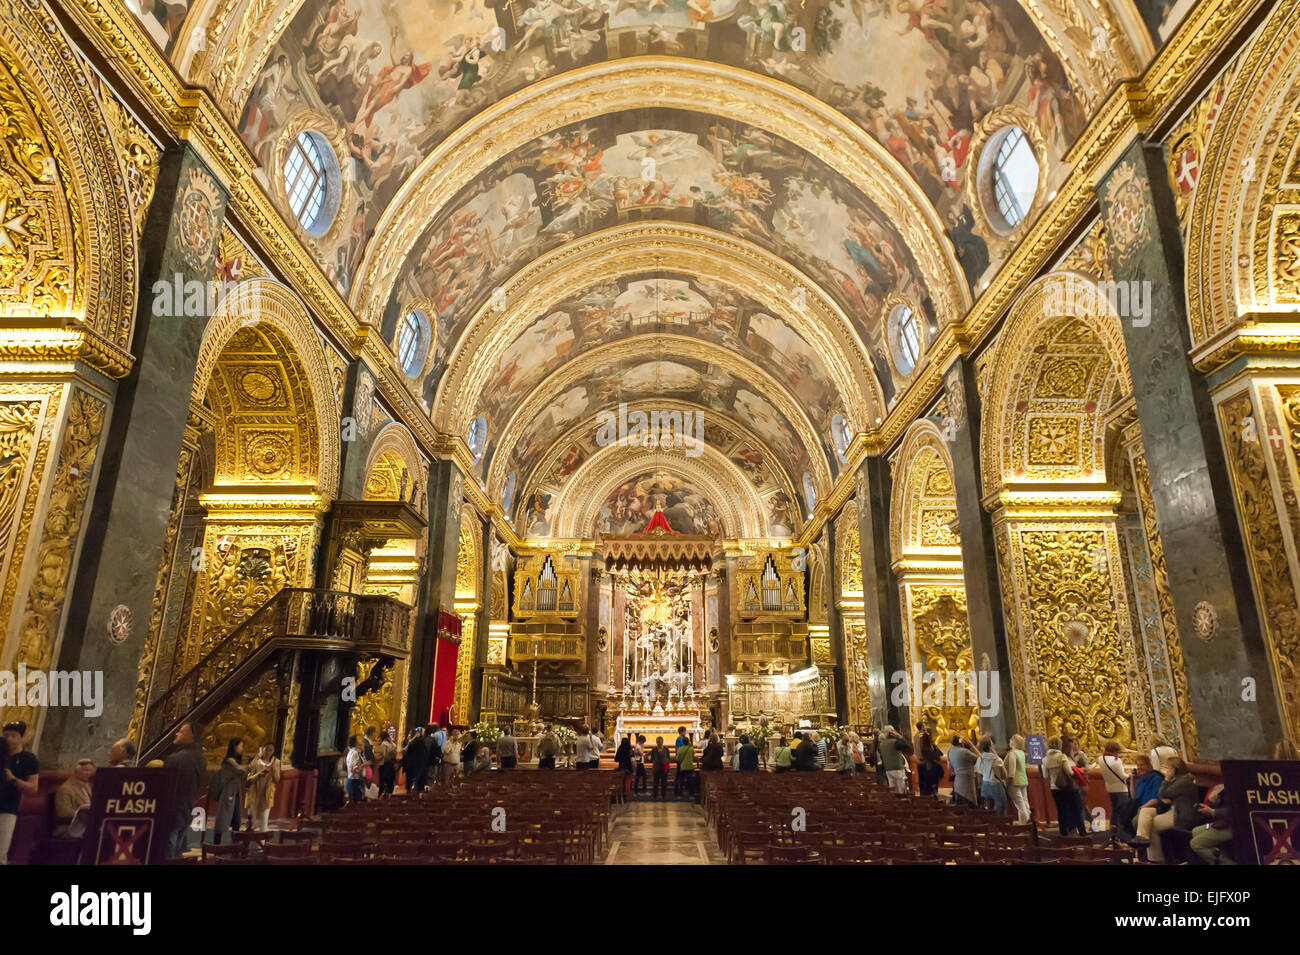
(267,310)
(1243,233)
(395,447)
(739,507)
(923,508)
(1055,397)
(45,84)
(926,556)
(1056,374)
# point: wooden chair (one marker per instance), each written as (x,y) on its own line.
(232,852)
(779,854)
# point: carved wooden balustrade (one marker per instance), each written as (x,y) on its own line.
(295,618)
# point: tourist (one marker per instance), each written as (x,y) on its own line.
(1161,753)
(415,761)
(122,753)
(929,766)
(449,767)
(659,765)
(874,756)
(22,778)
(747,756)
(859,758)
(921,730)
(623,760)
(469,752)
(370,753)
(263,777)
(507,750)
(226,789)
(682,738)
(1212,838)
(482,760)
(191,766)
(386,755)
(73,797)
(844,755)
(711,758)
(583,747)
(1144,786)
(961,763)
(435,738)
(548,747)
(893,754)
(356,771)
(993,775)
(1066,787)
(805,755)
(781,756)
(1018,778)
(823,757)
(597,747)
(1173,808)
(685,779)
(1115,776)
(638,757)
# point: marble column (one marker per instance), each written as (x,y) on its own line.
(835,630)
(437,584)
(112,596)
(884,632)
(978,549)
(1223,643)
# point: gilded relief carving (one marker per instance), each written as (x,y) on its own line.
(1266,548)
(375,708)
(941,636)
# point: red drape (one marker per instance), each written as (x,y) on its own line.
(446,649)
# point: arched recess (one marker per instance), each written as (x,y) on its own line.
(469,574)
(577,507)
(1243,299)
(1058,388)
(395,471)
(538,485)
(264,383)
(853,625)
(1243,235)
(670,83)
(809,450)
(76,245)
(637,247)
(925,550)
(266,309)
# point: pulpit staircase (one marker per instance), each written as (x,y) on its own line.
(294,619)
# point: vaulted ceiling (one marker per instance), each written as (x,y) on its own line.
(708,205)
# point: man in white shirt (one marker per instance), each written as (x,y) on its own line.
(356,771)
(582,747)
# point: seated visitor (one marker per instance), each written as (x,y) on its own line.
(72,798)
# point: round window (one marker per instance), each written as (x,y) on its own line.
(1013,177)
(904,338)
(841,435)
(508,492)
(413,342)
(477,437)
(311,182)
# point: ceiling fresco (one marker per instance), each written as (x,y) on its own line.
(726,176)
(393,78)
(723,397)
(628,508)
(561,461)
(662,303)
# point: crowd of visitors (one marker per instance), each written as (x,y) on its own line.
(1157,795)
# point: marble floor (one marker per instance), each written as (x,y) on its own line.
(661,833)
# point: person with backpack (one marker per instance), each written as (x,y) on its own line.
(1067,789)
(1116,778)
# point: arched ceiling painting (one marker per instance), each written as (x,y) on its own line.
(397,77)
(830,144)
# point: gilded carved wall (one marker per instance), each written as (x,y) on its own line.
(1261,433)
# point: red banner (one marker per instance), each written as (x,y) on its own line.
(446,649)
